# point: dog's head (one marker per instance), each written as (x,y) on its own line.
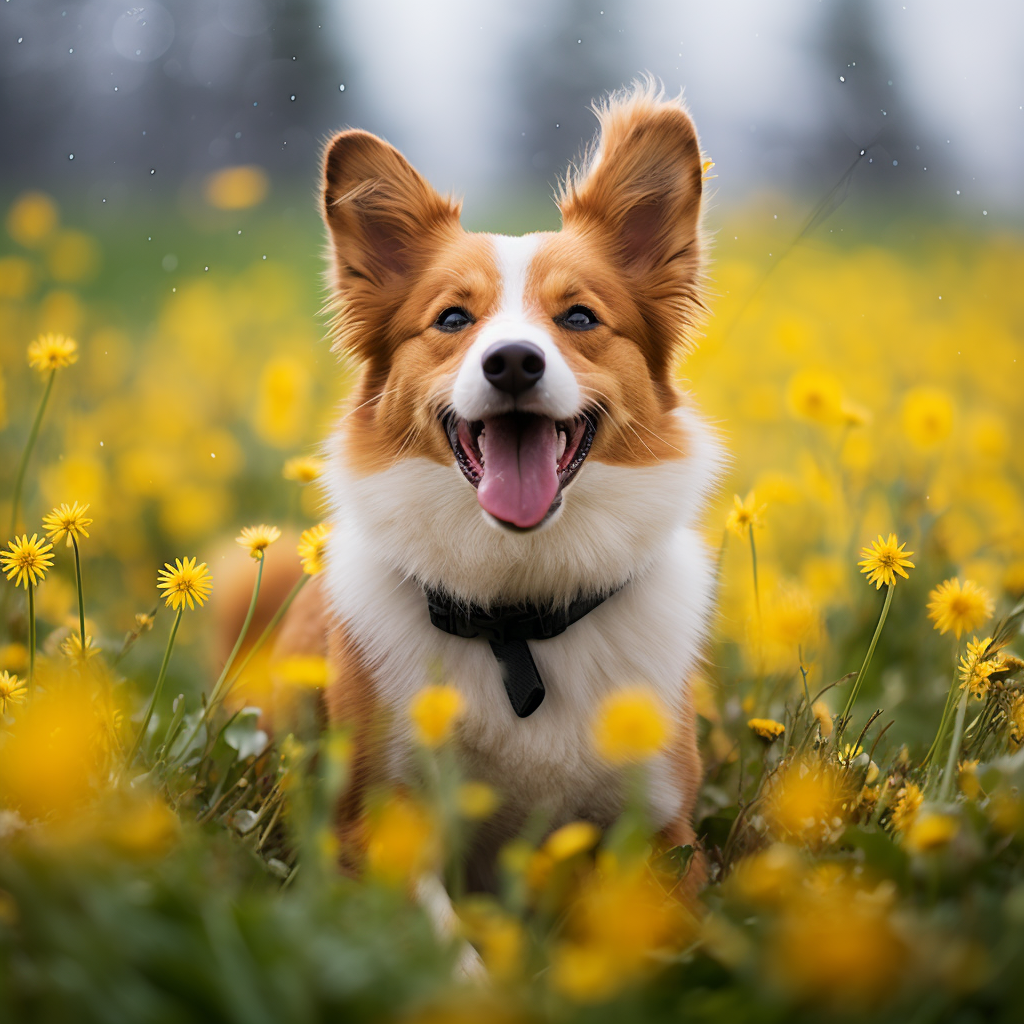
(525,362)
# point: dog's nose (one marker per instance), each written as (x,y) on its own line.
(513,366)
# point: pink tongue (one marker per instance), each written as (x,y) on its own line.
(520,468)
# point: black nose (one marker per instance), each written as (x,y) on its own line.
(513,366)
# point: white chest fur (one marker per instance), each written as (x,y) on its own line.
(420,521)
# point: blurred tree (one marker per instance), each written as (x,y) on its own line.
(561,68)
(864,107)
(153,93)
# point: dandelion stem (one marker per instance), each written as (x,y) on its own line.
(268,629)
(31,633)
(30,444)
(156,690)
(753,563)
(944,721)
(81,599)
(954,747)
(858,682)
(215,693)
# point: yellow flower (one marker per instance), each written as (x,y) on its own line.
(12,691)
(304,469)
(975,668)
(823,716)
(313,547)
(72,648)
(185,583)
(32,218)
(766,728)
(476,800)
(304,670)
(908,803)
(258,538)
(28,560)
(434,711)
(1016,722)
(67,521)
(927,416)
(884,559)
(144,621)
(402,841)
(745,514)
(52,352)
(631,725)
(961,609)
(930,831)
(815,396)
(237,188)
(567,841)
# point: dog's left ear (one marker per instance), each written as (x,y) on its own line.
(638,195)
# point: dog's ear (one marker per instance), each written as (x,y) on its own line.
(383,218)
(638,195)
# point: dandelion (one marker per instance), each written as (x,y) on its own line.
(74,650)
(908,803)
(960,608)
(70,521)
(12,691)
(309,671)
(144,621)
(28,560)
(303,469)
(402,842)
(571,839)
(766,728)
(52,352)
(258,538)
(815,396)
(975,667)
(476,800)
(27,563)
(927,417)
(434,711)
(930,831)
(884,559)
(631,725)
(313,548)
(823,716)
(744,515)
(67,521)
(184,583)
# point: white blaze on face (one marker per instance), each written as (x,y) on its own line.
(556,394)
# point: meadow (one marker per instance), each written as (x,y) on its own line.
(861,710)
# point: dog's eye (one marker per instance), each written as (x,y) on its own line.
(454,318)
(579,318)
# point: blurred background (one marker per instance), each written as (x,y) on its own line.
(862,356)
(105,101)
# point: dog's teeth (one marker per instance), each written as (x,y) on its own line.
(563,440)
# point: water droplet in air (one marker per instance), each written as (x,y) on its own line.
(152,170)
(293,97)
(984,213)
(341,88)
(895,163)
(264,256)
(72,50)
(842,78)
(238,135)
(71,156)
(958,191)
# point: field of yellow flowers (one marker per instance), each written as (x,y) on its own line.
(862,711)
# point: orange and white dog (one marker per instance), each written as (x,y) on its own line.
(516,490)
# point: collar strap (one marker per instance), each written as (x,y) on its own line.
(507,629)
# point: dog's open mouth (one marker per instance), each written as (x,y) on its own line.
(520,462)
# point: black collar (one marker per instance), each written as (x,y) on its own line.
(507,628)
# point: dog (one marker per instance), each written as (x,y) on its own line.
(517,487)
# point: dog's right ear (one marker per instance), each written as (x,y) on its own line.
(383,218)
